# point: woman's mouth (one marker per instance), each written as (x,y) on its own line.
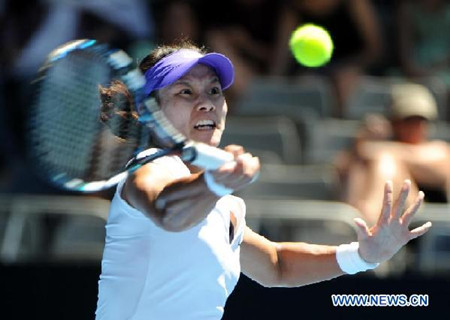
(205,125)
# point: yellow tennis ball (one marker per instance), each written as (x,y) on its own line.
(311,45)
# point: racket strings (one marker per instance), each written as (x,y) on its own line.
(59,119)
(67,139)
(67,133)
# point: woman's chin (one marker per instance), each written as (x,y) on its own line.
(211,138)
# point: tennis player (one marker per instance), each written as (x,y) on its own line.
(176,238)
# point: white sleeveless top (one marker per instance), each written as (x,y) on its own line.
(150,273)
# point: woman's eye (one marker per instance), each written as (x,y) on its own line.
(216,90)
(186,91)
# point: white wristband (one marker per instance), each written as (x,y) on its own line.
(350,261)
(215,187)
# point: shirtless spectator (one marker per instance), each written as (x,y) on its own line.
(396,149)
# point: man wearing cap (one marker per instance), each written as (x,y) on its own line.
(176,238)
(408,154)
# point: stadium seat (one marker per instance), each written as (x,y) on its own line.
(432,251)
(279,181)
(372,95)
(271,138)
(321,222)
(326,137)
(294,97)
(54,228)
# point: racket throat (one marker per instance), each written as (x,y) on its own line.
(205,156)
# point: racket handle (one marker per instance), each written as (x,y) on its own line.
(204,156)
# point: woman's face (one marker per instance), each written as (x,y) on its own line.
(196,106)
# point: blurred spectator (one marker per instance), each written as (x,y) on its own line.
(244,31)
(354,28)
(33,29)
(424,39)
(398,149)
(29,30)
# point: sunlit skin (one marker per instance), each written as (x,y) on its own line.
(194,97)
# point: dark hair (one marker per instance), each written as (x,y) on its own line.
(117,103)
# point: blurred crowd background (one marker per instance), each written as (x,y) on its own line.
(321,133)
(377,42)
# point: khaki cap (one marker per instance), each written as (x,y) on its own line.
(410,100)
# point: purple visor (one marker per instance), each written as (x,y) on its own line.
(172,67)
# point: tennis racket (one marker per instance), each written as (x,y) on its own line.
(68,144)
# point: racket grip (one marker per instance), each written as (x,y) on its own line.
(204,156)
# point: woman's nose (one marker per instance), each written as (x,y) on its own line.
(206,105)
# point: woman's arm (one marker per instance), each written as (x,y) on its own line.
(286,264)
(173,204)
(177,204)
(297,264)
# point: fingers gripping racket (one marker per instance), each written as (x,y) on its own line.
(68,143)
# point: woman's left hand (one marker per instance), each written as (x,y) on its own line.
(391,232)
